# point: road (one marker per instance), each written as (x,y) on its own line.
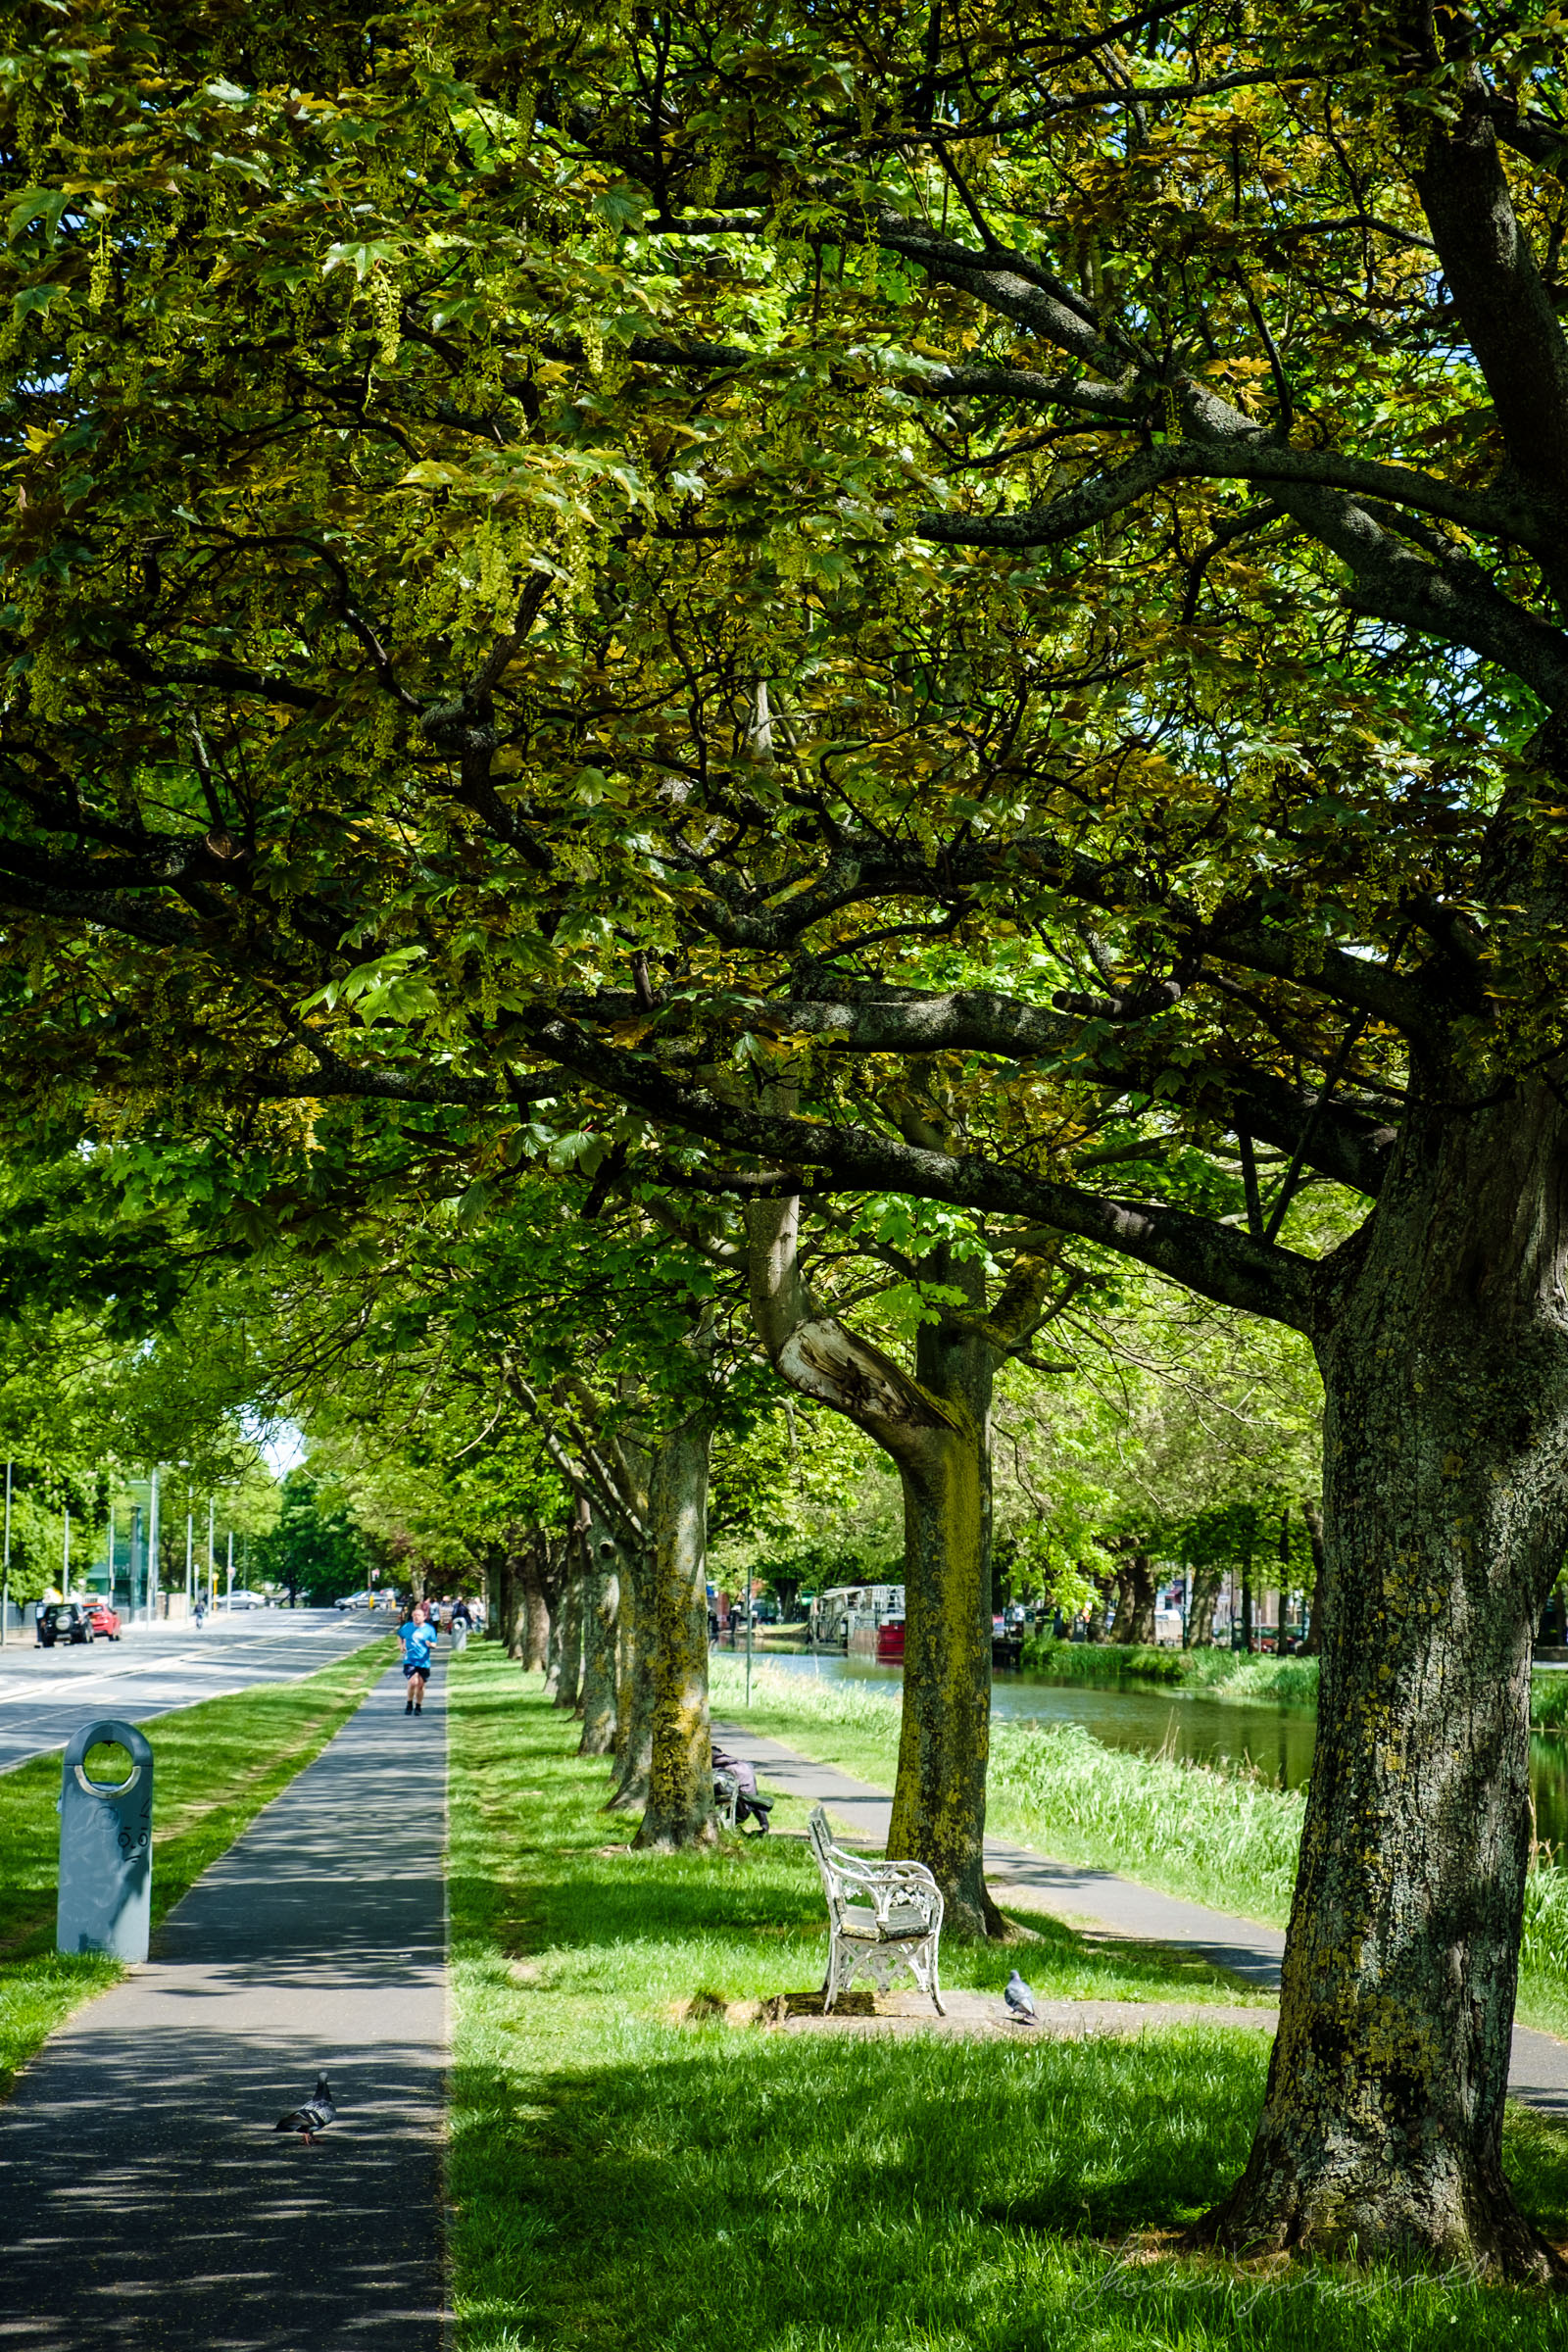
(45,1693)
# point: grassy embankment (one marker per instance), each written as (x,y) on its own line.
(1231,1675)
(215,1766)
(1201,1672)
(629,2167)
(1225,1838)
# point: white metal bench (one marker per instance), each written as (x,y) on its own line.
(882,1916)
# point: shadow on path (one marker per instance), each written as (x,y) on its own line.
(151,2206)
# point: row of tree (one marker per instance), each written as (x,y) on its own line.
(934,636)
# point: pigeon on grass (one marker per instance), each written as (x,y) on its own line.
(1021,2001)
(313,2118)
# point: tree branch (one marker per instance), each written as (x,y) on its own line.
(1204,1256)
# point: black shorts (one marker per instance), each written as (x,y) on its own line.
(409,1672)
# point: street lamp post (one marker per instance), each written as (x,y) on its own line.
(152,1550)
(5,1590)
(211,1564)
(228,1597)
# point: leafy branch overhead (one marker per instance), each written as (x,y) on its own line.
(557,579)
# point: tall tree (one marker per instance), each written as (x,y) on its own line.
(1131,450)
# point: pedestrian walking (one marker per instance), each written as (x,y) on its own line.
(460,1623)
(417,1641)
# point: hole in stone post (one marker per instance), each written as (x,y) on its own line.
(108,1765)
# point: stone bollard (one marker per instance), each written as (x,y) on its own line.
(106,1848)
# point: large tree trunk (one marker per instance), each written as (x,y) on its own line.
(936,1428)
(535,1606)
(568,1674)
(1201,1607)
(601,1603)
(1135,1610)
(680,1778)
(553,1651)
(514,1603)
(939,1798)
(1445,1360)
(634,1712)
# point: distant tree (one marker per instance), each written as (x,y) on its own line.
(315,1549)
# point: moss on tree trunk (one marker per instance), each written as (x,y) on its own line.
(939,1797)
(1445,1354)
(680,1779)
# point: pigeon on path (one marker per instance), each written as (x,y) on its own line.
(1021,2001)
(316,2115)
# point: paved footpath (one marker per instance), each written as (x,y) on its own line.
(1100,1900)
(148,2204)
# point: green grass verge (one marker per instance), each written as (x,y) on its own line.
(215,1766)
(623,2177)
(1228,1837)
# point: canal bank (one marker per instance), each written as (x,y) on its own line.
(1257,1738)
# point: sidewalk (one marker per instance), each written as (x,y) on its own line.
(1109,1905)
(151,2206)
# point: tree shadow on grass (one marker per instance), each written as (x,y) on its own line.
(780,2186)
(767,2194)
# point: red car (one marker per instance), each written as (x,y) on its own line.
(104,1620)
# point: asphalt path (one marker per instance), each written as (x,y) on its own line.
(151,2205)
(1108,1904)
(45,1693)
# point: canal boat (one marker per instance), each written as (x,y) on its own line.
(852,1616)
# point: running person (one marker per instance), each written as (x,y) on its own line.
(417,1641)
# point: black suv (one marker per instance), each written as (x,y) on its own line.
(64,1621)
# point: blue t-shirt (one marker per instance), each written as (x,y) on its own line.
(417,1644)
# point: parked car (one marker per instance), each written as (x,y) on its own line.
(64,1621)
(246,1600)
(104,1620)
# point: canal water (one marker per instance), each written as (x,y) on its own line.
(1277,1740)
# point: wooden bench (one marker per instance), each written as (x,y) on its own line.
(882,1916)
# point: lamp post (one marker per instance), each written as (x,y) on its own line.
(5,1589)
(152,1550)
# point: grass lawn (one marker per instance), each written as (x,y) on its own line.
(1228,1838)
(214,1768)
(622,2175)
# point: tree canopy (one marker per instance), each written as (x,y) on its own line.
(959,608)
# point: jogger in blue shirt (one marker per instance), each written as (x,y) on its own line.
(418,1640)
